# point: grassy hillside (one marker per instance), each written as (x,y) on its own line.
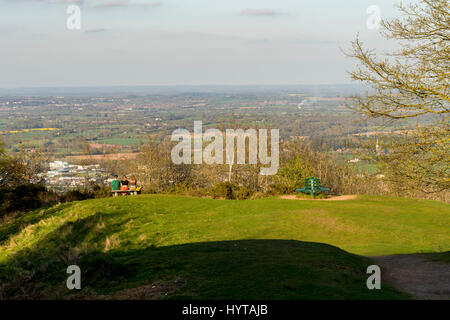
(202,248)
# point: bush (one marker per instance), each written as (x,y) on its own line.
(94,192)
(28,197)
(77,195)
(279,188)
(149,190)
(242,193)
(223,190)
(23,197)
(259,195)
(101,191)
(229,191)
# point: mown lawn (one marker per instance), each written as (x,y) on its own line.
(217,249)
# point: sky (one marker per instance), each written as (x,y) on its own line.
(183,42)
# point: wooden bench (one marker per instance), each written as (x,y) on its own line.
(312,186)
(115,193)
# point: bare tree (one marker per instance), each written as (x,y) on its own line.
(411,82)
(414,80)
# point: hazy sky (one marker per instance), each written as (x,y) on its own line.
(176,42)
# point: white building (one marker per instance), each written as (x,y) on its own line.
(60,166)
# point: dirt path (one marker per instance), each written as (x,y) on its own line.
(346,197)
(416,275)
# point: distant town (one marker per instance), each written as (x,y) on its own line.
(63,176)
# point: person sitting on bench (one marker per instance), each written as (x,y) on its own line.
(124,185)
(115,184)
(132,185)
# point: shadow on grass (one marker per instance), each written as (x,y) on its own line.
(242,269)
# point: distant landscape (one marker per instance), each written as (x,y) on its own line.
(220,152)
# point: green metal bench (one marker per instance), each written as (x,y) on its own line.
(312,186)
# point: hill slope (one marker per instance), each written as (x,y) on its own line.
(181,247)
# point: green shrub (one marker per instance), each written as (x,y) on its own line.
(223,190)
(260,195)
(28,197)
(77,195)
(229,191)
(242,193)
(21,198)
(101,191)
(149,190)
(278,188)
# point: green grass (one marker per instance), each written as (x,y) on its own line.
(220,249)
